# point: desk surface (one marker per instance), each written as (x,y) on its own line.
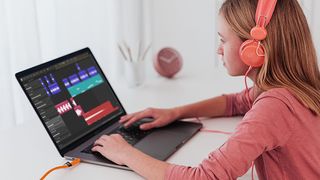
(35,153)
(27,151)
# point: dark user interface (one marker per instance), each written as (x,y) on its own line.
(72,97)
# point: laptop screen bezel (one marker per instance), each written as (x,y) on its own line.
(91,132)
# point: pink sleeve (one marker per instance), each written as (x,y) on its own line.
(237,104)
(265,127)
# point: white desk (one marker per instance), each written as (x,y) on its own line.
(27,151)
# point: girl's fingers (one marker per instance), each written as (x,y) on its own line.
(147,126)
(128,117)
(98,142)
(97,149)
(143,114)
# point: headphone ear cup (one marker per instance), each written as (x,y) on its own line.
(248,53)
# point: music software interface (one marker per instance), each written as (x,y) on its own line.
(72,97)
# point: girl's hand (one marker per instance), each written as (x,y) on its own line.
(161,118)
(113,147)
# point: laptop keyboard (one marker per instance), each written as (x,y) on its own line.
(132,135)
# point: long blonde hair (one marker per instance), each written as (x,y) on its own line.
(291,60)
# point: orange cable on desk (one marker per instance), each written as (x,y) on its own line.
(74,162)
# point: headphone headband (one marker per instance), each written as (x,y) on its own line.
(264,12)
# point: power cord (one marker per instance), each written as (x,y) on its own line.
(74,162)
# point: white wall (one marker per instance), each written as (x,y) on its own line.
(187,25)
(310,8)
(67,26)
(190,26)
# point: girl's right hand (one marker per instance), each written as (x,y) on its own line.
(162,117)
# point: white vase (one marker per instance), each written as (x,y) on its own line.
(134,73)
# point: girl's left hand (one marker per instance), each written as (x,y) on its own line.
(113,147)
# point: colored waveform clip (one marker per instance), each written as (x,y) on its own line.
(78,110)
(66,83)
(52,84)
(54,88)
(92,71)
(89,78)
(44,87)
(94,114)
(98,112)
(78,67)
(63,107)
(73,102)
(85,85)
(74,79)
(82,73)
(47,80)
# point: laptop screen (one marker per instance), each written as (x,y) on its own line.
(71,95)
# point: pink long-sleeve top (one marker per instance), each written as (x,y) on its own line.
(278,133)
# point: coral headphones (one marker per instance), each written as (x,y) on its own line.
(252,51)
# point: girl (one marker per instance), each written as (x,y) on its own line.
(281,123)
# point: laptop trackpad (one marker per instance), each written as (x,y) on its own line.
(161,143)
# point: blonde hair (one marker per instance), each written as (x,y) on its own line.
(291,60)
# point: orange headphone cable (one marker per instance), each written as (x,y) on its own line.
(74,162)
(246,84)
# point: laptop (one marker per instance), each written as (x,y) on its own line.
(76,104)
